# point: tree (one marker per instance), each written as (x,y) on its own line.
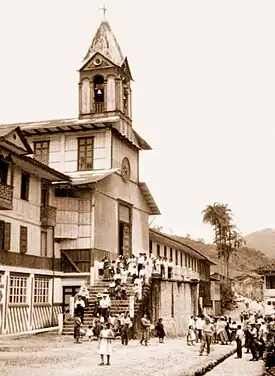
(226,236)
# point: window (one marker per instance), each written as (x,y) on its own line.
(18,289)
(23,239)
(41,290)
(177,257)
(158,250)
(181,259)
(4,168)
(150,245)
(42,151)
(165,251)
(171,254)
(5,236)
(270,282)
(85,154)
(25,185)
(43,251)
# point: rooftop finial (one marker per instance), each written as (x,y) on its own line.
(104,10)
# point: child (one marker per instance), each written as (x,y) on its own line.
(77,325)
(160,331)
(191,336)
(90,333)
(105,344)
(239,338)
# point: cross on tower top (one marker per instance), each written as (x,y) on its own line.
(104,10)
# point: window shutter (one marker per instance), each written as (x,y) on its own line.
(23,239)
(2,234)
(7,236)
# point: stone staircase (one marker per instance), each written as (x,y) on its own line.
(117,306)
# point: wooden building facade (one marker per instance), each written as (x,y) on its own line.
(27,254)
(100,208)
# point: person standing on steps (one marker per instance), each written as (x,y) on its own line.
(207,333)
(79,308)
(145,330)
(105,344)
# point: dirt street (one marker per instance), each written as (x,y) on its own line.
(53,355)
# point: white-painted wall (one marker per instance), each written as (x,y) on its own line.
(63,150)
(121,150)
(26,213)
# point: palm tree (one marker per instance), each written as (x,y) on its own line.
(227,239)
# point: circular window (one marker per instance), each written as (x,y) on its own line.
(97,61)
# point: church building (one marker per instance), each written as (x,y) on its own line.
(102,209)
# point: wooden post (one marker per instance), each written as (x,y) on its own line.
(5,301)
(30,299)
(60,323)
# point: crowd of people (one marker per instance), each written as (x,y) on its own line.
(135,267)
(254,331)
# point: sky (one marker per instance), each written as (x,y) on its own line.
(203,94)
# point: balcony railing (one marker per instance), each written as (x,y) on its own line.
(6,195)
(48,216)
(99,107)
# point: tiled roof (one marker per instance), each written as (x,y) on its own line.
(266,269)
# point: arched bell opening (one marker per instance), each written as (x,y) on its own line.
(99,93)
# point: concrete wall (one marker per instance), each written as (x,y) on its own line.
(174,305)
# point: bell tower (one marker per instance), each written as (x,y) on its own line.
(105,78)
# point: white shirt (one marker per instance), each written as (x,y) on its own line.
(199,324)
(112,320)
(141,260)
(104,303)
(142,272)
(101,265)
(79,302)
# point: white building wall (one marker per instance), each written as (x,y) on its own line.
(63,150)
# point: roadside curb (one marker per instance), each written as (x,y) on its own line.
(210,365)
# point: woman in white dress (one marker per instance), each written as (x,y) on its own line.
(105,344)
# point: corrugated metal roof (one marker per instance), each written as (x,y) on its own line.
(81,178)
(149,199)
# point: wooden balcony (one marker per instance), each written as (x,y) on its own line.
(48,216)
(6,195)
(29,261)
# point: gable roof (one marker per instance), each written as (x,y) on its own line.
(13,138)
(180,245)
(40,169)
(58,126)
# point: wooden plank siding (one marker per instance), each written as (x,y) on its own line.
(42,315)
(17,318)
(77,260)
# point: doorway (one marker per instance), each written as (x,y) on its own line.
(125,231)
(68,292)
